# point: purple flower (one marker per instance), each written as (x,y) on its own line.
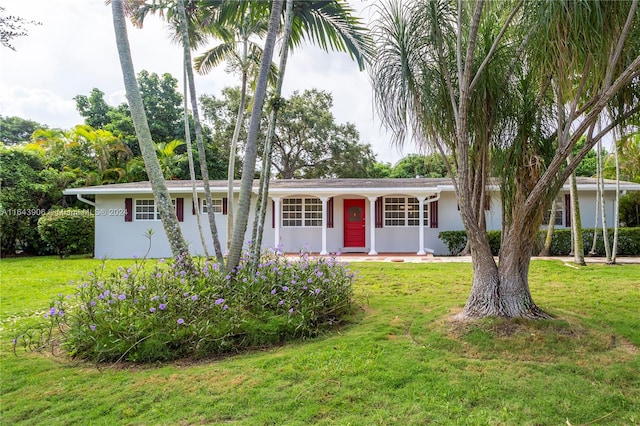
(185,294)
(194,297)
(122,297)
(310,280)
(162,306)
(285,288)
(92,303)
(280,303)
(219,301)
(317,291)
(125,276)
(225,307)
(92,327)
(155,298)
(53,311)
(181,280)
(152,310)
(304,287)
(273,291)
(180,321)
(291,310)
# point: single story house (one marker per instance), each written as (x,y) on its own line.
(322,215)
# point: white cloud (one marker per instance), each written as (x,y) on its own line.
(74,51)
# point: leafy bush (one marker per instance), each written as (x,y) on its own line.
(628,241)
(455,240)
(159,312)
(68,231)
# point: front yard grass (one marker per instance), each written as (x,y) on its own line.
(400,361)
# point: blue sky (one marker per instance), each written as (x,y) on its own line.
(74,51)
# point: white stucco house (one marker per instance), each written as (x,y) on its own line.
(324,215)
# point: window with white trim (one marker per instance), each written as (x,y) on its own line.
(301,212)
(559,213)
(404,211)
(217,205)
(146,209)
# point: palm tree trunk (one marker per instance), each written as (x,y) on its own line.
(233,149)
(593,250)
(546,250)
(192,172)
(244,203)
(605,235)
(616,212)
(147,147)
(576,221)
(263,193)
(204,170)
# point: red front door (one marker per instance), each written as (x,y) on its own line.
(354,223)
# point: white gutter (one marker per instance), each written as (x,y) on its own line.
(84,200)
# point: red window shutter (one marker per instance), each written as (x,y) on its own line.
(433,214)
(567,210)
(128,210)
(180,209)
(330,213)
(273,214)
(193,206)
(225,205)
(379,210)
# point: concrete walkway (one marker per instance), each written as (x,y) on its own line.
(414,258)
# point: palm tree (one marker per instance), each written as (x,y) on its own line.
(198,127)
(247,59)
(436,61)
(192,171)
(147,147)
(331,25)
(251,151)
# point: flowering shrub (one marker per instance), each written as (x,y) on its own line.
(158,311)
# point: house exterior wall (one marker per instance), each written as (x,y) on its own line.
(116,238)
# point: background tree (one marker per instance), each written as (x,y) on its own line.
(413,165)
(22,196)
(16,130)
(310,144)
(12,26)
(220,113)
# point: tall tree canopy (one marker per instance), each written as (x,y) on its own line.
(16,130)
(508,89)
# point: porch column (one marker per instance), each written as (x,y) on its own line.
(276,221)
(372,224)
(421,227)
(324,200)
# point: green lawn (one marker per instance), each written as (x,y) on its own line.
(399,362)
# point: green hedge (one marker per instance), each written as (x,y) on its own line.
(628,241)
(68,231)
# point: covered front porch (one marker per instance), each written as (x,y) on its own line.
(345,220)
